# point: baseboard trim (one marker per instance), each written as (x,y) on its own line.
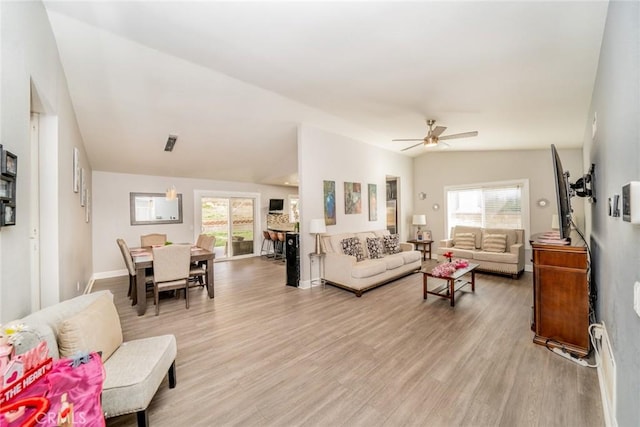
(109,274)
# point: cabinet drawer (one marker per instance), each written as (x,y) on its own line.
(564,259)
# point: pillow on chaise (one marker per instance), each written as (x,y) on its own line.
(494,243)
(352,246)
(464,241)
(375,247)
(392,244)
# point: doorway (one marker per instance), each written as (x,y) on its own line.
(232,220)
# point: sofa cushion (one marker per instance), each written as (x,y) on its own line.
(368,268)
(363,236)
(477,232)
(459,253)
(391,243)
(352,246)
(512,235)
(375,247)
(381,233)
(95,328)
(394,261)
(335,242)
(494,242)
(505,257)
(464,241)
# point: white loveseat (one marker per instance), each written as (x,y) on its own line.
(506,260)
(346,272)
(133,369)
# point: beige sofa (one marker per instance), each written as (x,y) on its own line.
(508,261)
(133,369)
(346,272)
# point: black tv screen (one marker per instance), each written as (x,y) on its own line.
(276,205)
(562,195)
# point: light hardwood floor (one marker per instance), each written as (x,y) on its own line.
(265,354)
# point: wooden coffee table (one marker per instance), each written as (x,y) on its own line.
(452,283)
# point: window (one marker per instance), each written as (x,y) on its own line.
(294,212)
(489,205)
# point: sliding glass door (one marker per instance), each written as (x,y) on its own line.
(232,220)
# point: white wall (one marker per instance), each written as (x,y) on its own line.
(30,57)
(111,218)
(435,170)
(615,150)
(324,156)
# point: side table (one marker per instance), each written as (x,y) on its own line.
(426,247)
(317,259)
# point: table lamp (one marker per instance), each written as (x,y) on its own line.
(317,227)
(419,220)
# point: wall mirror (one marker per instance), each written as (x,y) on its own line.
(154,208)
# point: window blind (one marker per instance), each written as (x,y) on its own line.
(486,206)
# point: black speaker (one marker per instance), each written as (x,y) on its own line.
(292,241)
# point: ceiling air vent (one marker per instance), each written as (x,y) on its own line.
(170,143)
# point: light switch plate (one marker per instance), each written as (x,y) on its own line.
(636,297)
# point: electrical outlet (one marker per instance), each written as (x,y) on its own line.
(636,297)
(597,331)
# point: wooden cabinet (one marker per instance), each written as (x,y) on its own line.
(561,297)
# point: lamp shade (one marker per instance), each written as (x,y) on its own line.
(317,226)
(419,220)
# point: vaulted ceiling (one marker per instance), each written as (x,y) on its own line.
(234,79)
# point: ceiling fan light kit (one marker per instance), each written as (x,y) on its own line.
(433,136)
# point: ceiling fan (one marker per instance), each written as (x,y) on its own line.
(432,138)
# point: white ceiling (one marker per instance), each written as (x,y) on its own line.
(233,79)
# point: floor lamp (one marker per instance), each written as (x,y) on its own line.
(317,227)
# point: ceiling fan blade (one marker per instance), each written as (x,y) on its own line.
(409,148)
(459,135)
(421,139)
(438,130)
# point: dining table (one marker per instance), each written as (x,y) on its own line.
(143,259)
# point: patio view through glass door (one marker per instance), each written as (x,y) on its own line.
(231,220)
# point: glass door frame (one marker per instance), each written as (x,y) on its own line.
(198,195)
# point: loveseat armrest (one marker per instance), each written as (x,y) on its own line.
(518,249)
(406,246)
(337,267)
(446,243)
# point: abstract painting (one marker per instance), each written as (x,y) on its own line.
(373,202)
(352,198)
(329,202)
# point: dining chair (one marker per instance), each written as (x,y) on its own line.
(153,239)
(170,271)
(198,270)
(128,261)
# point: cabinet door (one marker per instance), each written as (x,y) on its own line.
(562,312)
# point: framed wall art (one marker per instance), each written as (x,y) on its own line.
(329,189)
(9,164)
(352,198)
(76,170)
(7,188)
(7,214)
(373,202)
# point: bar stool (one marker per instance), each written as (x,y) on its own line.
(267,248)
(279,254)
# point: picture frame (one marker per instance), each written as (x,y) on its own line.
(426,235)
(329,202)
(7,214)
(83,188)
(87,207)
(7,189)
(352,198)
(9,164)
(76,170)
(372,189)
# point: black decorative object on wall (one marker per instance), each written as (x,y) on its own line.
(9,172)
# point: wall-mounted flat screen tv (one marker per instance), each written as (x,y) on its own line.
(563,197)
(276,205)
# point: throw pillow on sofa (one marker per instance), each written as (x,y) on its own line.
(465,241)
(392,244)
(494,243)
(352,246)
(375,247)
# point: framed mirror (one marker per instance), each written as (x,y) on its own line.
(154,208)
